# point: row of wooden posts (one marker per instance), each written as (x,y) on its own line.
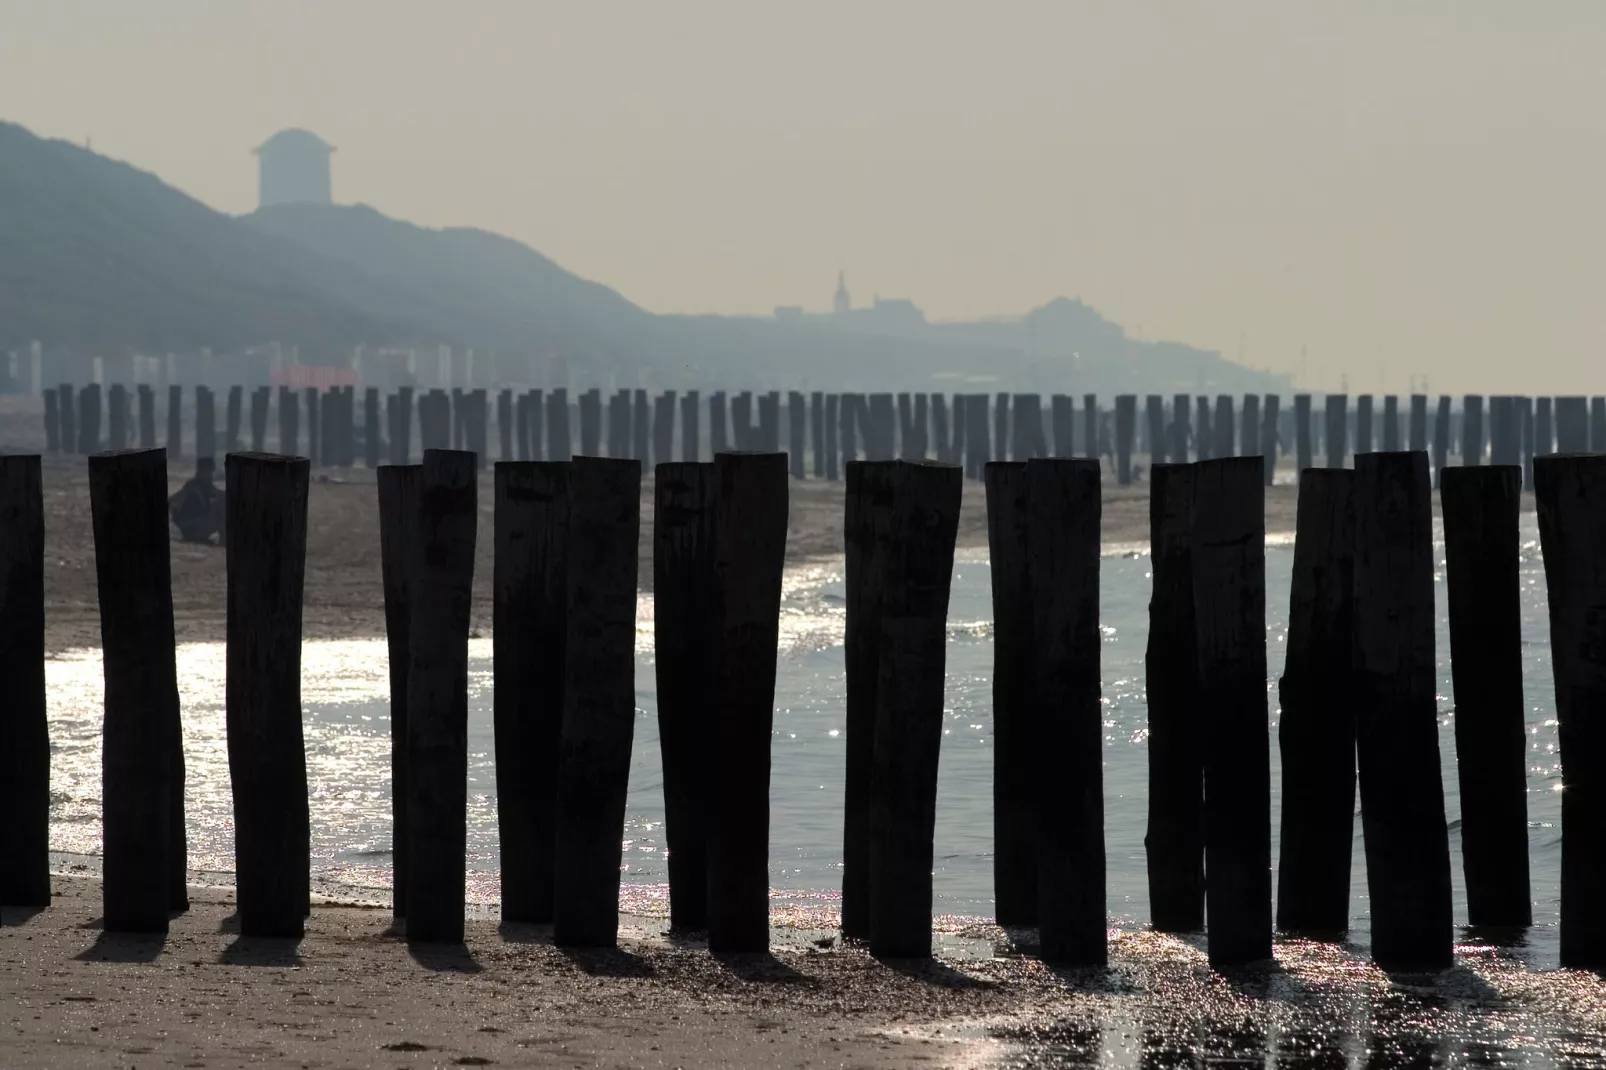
(1358,695)
(830,429)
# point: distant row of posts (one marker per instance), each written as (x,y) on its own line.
(822,432)
(1358,695)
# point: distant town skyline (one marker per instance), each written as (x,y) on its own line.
(1393,192)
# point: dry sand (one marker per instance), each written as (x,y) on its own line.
(354,994)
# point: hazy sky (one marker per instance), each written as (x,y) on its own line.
(1406,188)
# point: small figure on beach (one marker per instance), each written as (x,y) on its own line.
(197,508)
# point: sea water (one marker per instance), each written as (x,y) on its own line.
(345,694)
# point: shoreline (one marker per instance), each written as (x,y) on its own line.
(354,992)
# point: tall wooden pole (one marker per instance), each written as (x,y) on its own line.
(398,531)
(1014,827)
(25,758)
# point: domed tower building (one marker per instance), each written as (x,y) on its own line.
(294,169)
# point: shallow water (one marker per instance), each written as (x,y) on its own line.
(345,687)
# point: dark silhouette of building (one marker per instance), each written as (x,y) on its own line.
(294,168)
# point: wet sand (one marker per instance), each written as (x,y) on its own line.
(352,993)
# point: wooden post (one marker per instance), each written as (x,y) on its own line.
(1229,594)
(848,412)
(289,420)
(909,705)
(314,423)
(1441,438)
(1249,427)
(1570,492)
(879,442)
(504,426)
(266,501)
(691,446)
(1090,426)
(978,439)
(372,437)
(742,421)
(441,576)
(718,423)
(1226,438)
(1363,423)
(25,759)
(117,417)
(1270,436)
(259,419)
(1481,549)
(816,434)
(1175,839)
(590,424)
(641,429)
(1316,733)
(142,763)
(1154,414)
(1391,424)
(1181,428)
(535,430)
(866,538)
(1014,832)
(1305,456)
(480,427)
(524,438)
(906,427)
(599,700)
(89,419)
(1417,439)
(1597,424)
(233,414)
(1067,734)
(1204,440)
(796,427)
(559,446)
(455,420)
(52,422)
(1062,416)
(750,548)
(1544,442)
(1000,441)
(663,427)
(685,641)
(1125,424)
(68,405)
(529,644)
(1337,429)
(147,416)
(1472,429)
(398,530)
(1397,731)
(833,420)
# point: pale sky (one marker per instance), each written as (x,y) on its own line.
(1405,188)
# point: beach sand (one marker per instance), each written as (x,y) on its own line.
(353,993)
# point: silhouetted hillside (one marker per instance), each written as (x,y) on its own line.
(99,256)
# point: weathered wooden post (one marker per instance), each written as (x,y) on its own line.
(454,419)
(1363,423)
(1304,455)
(1505,431)
(750,548)
(685,641)
(796,428)
(117,417)
(524,439)
(1417,440)
(260,399)
(1481,550)
(52,421)
(505,425)
(1014,829)
(1090,426)
(398,532)
(833,422)
(1397,744)
(848,411)
(313,402)
(1154,411)
(906,426)
(641,428)
(1441,438)
(663,427)
(909,706)
(1571,496)
(1249,427)
(142,763)
(1597,424)
(535,404)
(372,438)
(817,432)
(89,418)
(1000,446)
(922,445)
(25,759)
(590,424)
(881,424)
(233,415)
(205,423)
(441,578)
(1062,416)
(978,439)
(1181,428)
(719,424)
(1174,841)
(68,406)
(1125,423)
(741,409)
(1544,442)
(1067,735)
(559,445)
(768,425)
(1316,733)
(599,699)
(1337,429)
(529,653)
(867,532)
(691,446)
(1229,589)
(479,407)
(1226,437)
(266,501)
(289,419)
(1026,425)
(1472,429)
(1391,423)
(1204,440)
(147,416)
(1270,435)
